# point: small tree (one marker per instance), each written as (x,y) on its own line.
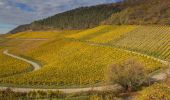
(129,74)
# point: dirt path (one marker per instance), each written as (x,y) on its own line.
(34,64)
(158,76)
(71,90)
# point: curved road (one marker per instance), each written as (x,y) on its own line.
(34,64)
(159,76)
(73,90)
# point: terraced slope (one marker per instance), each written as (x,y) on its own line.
(89,33)
(69,63)
(104,33)
(77,61)
(152,40)
(116,33)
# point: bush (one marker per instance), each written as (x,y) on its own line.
(129,74)
(155,92)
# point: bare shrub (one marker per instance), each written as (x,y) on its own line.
(129,74)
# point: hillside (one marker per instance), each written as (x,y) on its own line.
(80,18)
(142,12)
(133,12)
(116,51)
(73,58)
(78,59)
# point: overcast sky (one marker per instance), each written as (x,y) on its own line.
(17,12)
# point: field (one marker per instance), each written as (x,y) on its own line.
(10,66)
(87,64)
(70,58)
(41,34)
(87,50)
(151,40)
(103,33)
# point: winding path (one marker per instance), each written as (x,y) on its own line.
(73,90)
(158,76)
(34,64)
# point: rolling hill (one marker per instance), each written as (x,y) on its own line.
(77,49)
(69,58)
(133,12)
(80,18)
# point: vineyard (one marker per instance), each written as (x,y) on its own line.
(42,34)
(81,58)
(113,34)
(10,66)
(87,50)
(158,91)
(74,64)
(92,32)
(151,40)
(103,34)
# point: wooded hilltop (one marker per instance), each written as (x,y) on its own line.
(133,12)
